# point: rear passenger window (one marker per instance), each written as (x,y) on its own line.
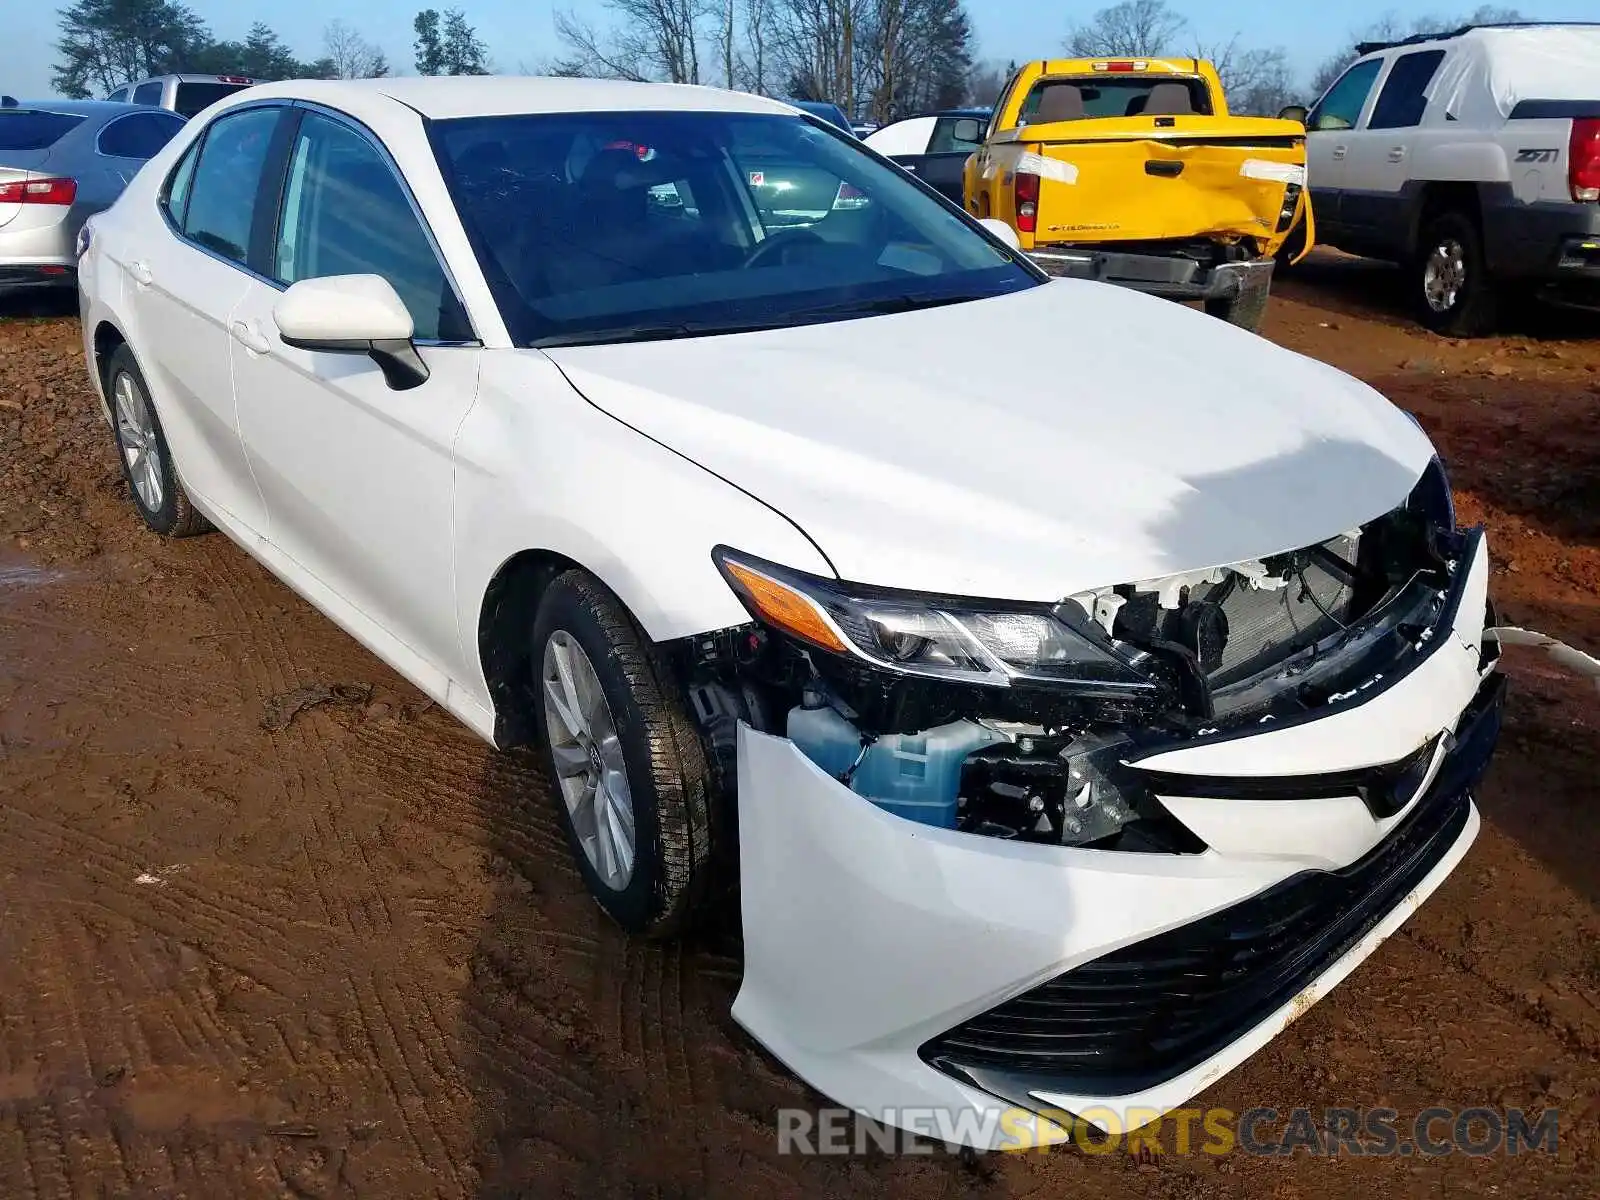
(1401,103)
(345,213)
(221,196)
(147,93)
(139,136)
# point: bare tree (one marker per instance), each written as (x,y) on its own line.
(987,80)
(653,39)
(757,28)
(353,57)
(1257,82)
(816,48)
(1391,28)
(1133,27)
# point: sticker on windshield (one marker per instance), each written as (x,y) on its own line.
(758,178)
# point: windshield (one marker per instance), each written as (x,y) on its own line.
(31,129)
(192,97)
(596,227)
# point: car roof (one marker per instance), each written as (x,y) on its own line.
(189,77)
(1479,32)
(442,97)
(88,108)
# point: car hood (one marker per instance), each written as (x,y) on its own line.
(1071,436)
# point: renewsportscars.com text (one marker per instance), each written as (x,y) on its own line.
(1351,1132)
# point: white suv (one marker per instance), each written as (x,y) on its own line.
(1472,157)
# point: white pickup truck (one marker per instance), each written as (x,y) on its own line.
(1471,157)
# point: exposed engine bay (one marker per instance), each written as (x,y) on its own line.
(1188,656)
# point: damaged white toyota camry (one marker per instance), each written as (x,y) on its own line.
(1075,686)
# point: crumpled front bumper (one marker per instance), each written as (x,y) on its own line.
(868,938)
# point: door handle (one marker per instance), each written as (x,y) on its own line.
(1397,154)
(1340,151)
(251,338)
(141,274)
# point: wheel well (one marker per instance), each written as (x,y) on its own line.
(1440,198)
(107,337)
(504,625)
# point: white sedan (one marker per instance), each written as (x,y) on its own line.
(1080,687)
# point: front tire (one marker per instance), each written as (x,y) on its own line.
(626,765)
(147,464)
(1455,296)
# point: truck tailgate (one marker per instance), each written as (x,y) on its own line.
(1129,180)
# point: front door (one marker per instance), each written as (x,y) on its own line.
(1376,208)
(358,478)
(1330,131)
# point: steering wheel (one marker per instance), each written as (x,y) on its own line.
(777,246)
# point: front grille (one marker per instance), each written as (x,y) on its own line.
(1150,1011)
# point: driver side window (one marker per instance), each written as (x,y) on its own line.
(1341,107)
(345,213)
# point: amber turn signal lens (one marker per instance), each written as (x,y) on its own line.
(785,608)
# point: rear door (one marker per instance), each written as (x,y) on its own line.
(1330,130)
(127,143)
(184,282)
(1375,205)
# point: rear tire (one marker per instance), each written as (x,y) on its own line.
(1244,309)
(147,464)
(1450,279)
(627,768)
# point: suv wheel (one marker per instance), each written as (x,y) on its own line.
(1455,294)
(626,764)
(146,458)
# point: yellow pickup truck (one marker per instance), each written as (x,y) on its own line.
(1130,170)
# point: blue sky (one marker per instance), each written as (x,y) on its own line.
(521,32)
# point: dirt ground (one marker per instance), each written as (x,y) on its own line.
(273,925)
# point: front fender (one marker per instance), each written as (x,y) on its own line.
(540,468)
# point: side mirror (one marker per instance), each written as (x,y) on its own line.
(968,129)
(1294,112)
(353,314)
(1002,231)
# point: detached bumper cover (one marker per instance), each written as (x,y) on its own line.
(885,961)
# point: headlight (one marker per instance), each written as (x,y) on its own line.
(992,643)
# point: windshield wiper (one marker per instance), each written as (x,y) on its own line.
(883,305)
(652,333)
(805,316)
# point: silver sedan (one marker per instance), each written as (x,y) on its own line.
(62,161)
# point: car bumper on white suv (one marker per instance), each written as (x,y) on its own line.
(901,968)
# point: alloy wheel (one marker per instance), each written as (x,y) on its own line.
(141,447)
(588,759)
(1445,275)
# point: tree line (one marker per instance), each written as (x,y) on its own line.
(879,60)
(106,43)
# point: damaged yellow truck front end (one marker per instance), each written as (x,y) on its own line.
(1132,171)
